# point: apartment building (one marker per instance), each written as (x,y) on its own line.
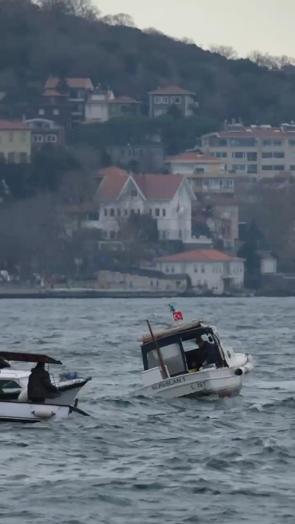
(205,173)
(262,151)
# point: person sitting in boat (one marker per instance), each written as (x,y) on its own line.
(209,353)
(40,386)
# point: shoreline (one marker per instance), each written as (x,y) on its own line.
(84,293)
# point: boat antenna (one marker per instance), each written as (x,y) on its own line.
(162,365)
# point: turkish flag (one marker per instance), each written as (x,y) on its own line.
(177,315)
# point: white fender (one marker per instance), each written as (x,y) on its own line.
(43,412)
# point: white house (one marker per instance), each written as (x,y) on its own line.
(97,106)
(207,269)
(167,198)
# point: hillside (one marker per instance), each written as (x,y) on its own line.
(37,41)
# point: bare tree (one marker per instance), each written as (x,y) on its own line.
(224,50)
(119,19)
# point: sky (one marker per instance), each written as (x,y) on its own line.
(245,25)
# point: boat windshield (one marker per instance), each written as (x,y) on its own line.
(172,357)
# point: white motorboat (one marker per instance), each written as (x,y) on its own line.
(190,361)
(14,403)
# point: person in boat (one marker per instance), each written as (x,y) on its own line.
(209,353)
(40,386)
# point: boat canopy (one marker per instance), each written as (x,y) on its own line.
(173,334)
(28,357)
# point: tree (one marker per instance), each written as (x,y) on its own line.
(83,8)
(224,50)
(119,19)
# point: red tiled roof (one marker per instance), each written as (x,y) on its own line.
(192,157)
(199,255)
(76,83)
(13,125)
(158,187)
(123,100)
(51,92)
(113,182)
(171,90)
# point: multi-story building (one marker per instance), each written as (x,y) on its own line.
(162,99)
(207,269)
(205,173)
(64,99)
(97,105)
(45,131)
(262,151)
(166,198)
(15,142)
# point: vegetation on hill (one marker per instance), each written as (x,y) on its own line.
(67,37)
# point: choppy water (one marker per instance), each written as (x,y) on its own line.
(149,461)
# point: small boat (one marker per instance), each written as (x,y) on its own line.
(176,365)
(14,403)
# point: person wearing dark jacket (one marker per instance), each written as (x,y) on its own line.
(39,385)
(210,353)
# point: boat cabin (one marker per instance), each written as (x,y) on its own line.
(12,381)
(184,349)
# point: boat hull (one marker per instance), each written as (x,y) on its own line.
(221,382)
(11,411)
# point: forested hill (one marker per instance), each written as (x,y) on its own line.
(36,41)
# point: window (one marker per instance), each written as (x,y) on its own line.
(196,269)
(199,170)
(23,158)
(118,212)
(41,112)
(11,136)
(291,142)
(279,168)
(163,212)
(167,269)
(238,154)
(157,212)
(126,212)
(267,155)
(252,157)
(266,142)
(266,168)
(277,142)
(133,193)
(37,139)
(252,168)
(11,157)
(150,211)
(51,138)
(105,212)
(279,154)
(177,100)
(55,112)
(202,268)
(112,212)
(221,154)
(292,167)
(112,235)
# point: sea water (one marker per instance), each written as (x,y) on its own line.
(152,461)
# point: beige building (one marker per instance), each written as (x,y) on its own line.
(15,142)
(262,151)
(206,173)
(207,269)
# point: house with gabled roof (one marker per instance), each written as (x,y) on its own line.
(166,198)
(209,270)
(162,99)
(65,98)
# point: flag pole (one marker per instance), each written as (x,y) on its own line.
(162,365)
